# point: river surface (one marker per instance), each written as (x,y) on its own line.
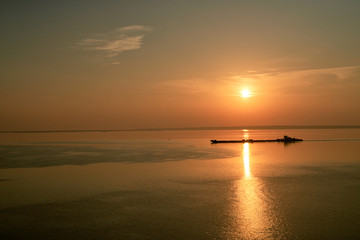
(176,185)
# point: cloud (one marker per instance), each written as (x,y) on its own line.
(134,28)
(117,41)
(340,82)
(323,81)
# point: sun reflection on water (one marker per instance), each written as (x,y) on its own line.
(254,216)
(253,206)
(246,157)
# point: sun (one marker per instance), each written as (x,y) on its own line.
(245,93)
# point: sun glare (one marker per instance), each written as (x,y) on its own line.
(245,93)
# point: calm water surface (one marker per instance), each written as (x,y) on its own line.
(176,185)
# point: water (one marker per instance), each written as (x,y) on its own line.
(176,185)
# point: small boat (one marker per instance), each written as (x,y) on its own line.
(286,139)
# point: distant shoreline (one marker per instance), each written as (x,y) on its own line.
(192,129)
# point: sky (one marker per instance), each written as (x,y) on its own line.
(163,64)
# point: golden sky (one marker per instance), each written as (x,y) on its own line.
(150,64)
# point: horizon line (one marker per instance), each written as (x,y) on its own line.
(190,128)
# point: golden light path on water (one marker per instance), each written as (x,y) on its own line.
(254,216)
(246,157)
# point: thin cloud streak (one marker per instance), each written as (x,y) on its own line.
(323,81)
(117,41)
(271,82)
(134,28)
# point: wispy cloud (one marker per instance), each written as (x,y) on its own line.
(323,81)
(272,82)
(117,41)
(133,28)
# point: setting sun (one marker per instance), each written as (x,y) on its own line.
(245,93)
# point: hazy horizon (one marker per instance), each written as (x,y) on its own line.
(258,127)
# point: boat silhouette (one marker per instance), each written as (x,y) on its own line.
(286,139)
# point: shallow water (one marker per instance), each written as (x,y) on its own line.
(176,185)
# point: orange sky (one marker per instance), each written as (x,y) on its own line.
(144,64)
